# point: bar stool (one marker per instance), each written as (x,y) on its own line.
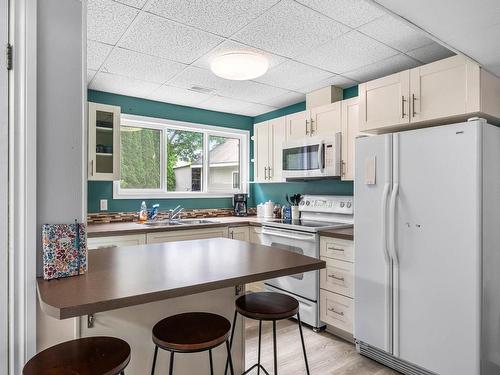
(85,356)
(268,306)
(191,332)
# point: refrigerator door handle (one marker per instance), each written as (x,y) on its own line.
(385,197)
(392,224)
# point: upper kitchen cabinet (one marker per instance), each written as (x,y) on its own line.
(268,141)
(322,121)
(326,120)
(104,142)
(383,102)
(350,130)
(444,91)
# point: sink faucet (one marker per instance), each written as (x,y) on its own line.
(175,213)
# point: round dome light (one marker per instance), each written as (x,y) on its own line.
(239,66)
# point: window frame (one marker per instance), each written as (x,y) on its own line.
(206,130)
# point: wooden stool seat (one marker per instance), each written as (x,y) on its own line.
(191,332)
(267,306)
(85,356)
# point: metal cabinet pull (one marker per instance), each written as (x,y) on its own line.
(335,248)
(232,234)
(312,127)
(342,168)
(307,129)
(413,112)
(336,277)
(403,101)
(341,313)
(265,173)
(269,172)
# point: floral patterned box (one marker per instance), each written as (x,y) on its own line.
(64,249)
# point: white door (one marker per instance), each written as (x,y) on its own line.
(373,289)
(4,158)
(438,239)
(261,151)
(326,120)
(384,102)
(277,134)
(298,125)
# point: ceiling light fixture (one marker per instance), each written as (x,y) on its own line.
(239,66)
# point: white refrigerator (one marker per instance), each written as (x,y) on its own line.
(427,248)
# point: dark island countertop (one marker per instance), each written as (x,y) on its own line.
(127,276)
(342,233)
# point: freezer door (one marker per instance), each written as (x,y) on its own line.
(437,228)
(373,301)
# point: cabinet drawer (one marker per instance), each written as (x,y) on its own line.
(186,235)
(337,248)
(338,277)
(337,310)
(115,241)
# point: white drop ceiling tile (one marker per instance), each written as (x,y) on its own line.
(224,104)
(107,20)
(252,91)
(96,54)
(396,33)
(286,100)
(231,46)
(193,76)
(348,52)
(133,3)
(429,53)
(383,68)
(256,109)
(292,75)
(221,17)
(140,66)
(122,85)
(290,29)
(337,80)
(90,75)
(157,36)
(175,95)
(353,13)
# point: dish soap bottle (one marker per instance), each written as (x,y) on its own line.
(143,213)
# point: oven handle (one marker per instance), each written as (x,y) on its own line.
(288,234)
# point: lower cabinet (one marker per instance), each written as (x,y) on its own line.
(188,234)
(255,235)
(337,285)
(115,241)
(239,233)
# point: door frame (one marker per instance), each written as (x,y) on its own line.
(22,229)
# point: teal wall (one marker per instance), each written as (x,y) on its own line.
(258,192)
(135,106)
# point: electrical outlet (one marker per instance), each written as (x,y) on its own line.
(104,204)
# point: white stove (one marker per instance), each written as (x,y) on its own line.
(302,237)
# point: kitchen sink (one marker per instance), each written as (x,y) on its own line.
(197,221)
(163,223)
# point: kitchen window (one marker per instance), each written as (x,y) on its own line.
(171,159)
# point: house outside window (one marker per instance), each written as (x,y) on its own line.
(171,159)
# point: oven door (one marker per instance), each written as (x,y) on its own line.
(306,284)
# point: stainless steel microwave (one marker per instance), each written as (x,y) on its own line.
(312,157)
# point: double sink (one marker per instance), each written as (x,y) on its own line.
(163,223)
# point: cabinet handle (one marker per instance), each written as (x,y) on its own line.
(335,248)
(307,130)
(413,112)
(265,173)
(269,172)
(342,168)
(232,234)
(403,101)
(332,276)
(341,313)
(312,127)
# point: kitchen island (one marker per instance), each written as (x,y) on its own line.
(128,289)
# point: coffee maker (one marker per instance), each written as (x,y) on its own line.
(240,204)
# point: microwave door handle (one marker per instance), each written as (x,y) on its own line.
(320,157)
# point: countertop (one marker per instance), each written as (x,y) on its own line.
(133,275)
(343,233)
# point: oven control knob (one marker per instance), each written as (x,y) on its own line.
(302,203)
(349,204)
(308,203)
(342,204)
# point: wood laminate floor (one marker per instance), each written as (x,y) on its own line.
(327,354)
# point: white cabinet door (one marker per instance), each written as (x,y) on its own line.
(115,241)
(261,151)
(277,135)
(326,120)
(298,125)
(444,88)
(103,142)
(336,310)
(384,102)
(350,130)
(256,235)
(239,233)
(187,234)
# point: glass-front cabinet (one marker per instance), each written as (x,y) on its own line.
(104,142)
